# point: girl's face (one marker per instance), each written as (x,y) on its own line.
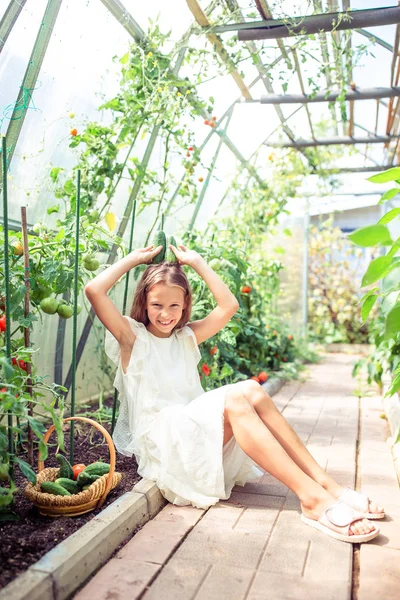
(164,305)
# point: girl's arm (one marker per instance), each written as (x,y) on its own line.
(227,304)
(96,292)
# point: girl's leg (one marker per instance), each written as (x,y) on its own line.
(260,445)
(289,439)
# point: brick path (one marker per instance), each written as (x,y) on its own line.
(254,545)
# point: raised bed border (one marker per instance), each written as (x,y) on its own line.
(68,565)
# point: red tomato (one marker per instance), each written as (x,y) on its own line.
(78,469)
(255,378)
(3,323)
(74,132)
(213,351)
(246,289)
(22,364)
(262,377)
(206,369)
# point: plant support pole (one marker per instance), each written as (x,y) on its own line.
(7,290)
(210,171)
(124,303)
(305,265)
(27,331)
(75,315)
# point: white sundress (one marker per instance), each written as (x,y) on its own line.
(174,428)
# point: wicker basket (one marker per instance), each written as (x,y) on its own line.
(52,505)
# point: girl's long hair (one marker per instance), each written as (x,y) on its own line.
(169,273)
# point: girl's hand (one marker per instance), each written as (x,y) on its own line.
(143,256)
(186,256)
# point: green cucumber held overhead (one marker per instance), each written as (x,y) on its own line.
(159,240)
(169,255)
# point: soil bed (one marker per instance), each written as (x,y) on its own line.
(25,541)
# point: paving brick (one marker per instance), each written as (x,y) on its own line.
(179,580)
(154,543)
(379,573)
(266,485)
(224,547)
(225,583)
(119,580)
(274,586)
(245,499)
(287,547)
(187,516)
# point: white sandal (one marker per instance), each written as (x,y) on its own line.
(336,521)
(360,503)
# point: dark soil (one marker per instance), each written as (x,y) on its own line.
(25,541)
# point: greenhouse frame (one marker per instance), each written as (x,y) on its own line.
(261,139)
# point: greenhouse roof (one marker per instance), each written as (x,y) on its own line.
(304,87)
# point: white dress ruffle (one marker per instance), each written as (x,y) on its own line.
(174,428)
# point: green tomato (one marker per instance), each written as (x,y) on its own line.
(78,309)
(91,264)
(49,305)
(215,264)
(65,311)
(93,216)
(40,292)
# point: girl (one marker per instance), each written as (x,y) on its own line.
(197,445)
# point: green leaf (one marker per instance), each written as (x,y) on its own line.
(53,209)
(37,427)
(6,497)
(398,433)
(228,337)
(287,232)
(389,216)
(54,173)
(389,195)
(368,305)
(60,235)
(370,236)
(389,175)
(392,322)
(369,293)
(376,270)
(26,470)
(124,59)
(7,369)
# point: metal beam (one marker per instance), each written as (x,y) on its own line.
(118,10)
(357,94)
(24,100)
(307,25)
(376,39)
(345,170)
(9,18)
(218,46)
(349,141)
